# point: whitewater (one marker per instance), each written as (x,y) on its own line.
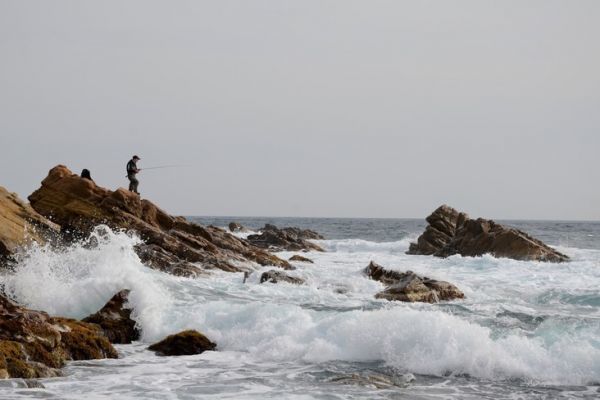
(524,330)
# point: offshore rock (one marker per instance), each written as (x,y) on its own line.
(20,225)
(299,258)
(236,227)
(451,232)
(34,345)
(274,276)
(410,287)
(182,344)
(115,320)
(171,244)
(285,239)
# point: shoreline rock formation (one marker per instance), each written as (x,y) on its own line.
(410,287)
(451,232)
(286,239)
(115,320)
(21,225)
(170,244)
(35,345)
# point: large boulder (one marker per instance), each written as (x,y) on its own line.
(236,227)
(286,239)
(20,225)
(171,244)
(274,276)
(183,344)
(35,345)
(410,287)
(451,232)
(115,320)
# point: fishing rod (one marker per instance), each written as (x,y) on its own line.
(164,166)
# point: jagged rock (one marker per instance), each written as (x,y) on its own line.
(285,239)
(171,244)
(301,259)
(115,320)
(410,287)
(235,227)
(20,224)
(274,276)
(183,343)
(451,232)
(34,345)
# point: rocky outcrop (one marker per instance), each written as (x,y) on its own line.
(20,225)
(182,344)
(451,232)
(410,287)
(34,345)
(275,276)
(235,227)
(171,244)
(299,258)
(115,320)
(285,239)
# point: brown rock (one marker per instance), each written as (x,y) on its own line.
(20,225)
(450,232)
(301,259)
(115,320)
(183,343)
(286,239)
(171,244)
(34,345)
(235,227)
(274,276)
(410,287)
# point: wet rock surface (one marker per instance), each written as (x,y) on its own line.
(410,287)
(115,320)
(286,239)
(183,343)
(171,244)
(452,232)
(35,345)
(236,227)
(21,225)
(275,276)
(299,258)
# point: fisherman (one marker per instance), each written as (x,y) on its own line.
(132,171)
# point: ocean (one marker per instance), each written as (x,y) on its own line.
(526,330)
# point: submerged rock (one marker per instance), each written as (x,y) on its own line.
(34,345)
(274,276)
(451,232)
(171,244)
(410,287)
(286,239)
(299,258)
(183,343)
(20,225)
(115,320)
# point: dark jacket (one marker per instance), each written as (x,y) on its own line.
(132,167)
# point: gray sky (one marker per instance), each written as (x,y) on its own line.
(310,108)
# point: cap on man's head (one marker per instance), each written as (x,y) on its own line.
(136,158)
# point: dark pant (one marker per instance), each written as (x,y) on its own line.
(133,183)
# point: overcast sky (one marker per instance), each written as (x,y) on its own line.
(310,108)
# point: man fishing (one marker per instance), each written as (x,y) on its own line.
(132,171)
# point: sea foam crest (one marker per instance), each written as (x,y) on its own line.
(77,280)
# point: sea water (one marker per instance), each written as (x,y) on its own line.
(525,329)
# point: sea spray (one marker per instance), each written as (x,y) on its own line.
(317,324)
(77,280)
